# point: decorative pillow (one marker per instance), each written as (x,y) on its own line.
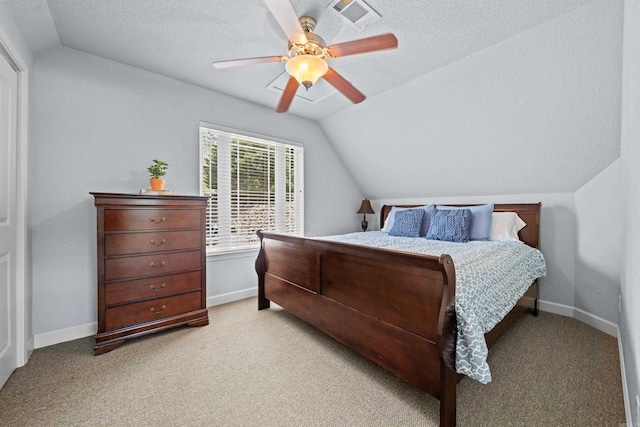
(451,225)
(506,225)
(388,223)
(426,219)
(407,223)
(480,220)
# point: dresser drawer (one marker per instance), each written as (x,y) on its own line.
(151,219)
(132,243)
(146,265)
(146,311)
(154,287)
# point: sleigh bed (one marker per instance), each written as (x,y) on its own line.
(396,308)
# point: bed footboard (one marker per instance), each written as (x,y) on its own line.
(394,308)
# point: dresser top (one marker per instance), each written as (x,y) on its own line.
(102,199)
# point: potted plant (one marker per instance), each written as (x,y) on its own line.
(157,170)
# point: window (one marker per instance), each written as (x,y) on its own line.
(252,184)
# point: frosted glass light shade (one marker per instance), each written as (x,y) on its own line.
(306,69)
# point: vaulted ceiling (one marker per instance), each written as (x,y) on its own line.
(180,39)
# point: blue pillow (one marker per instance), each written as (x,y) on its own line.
(407,223)
(451,225)
(480,220)
(426,219)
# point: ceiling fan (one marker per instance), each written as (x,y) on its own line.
(306,62)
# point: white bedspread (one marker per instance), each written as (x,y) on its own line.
(490,279)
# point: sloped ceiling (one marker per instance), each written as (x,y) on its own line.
(536,113)
(180,38)
(481,97)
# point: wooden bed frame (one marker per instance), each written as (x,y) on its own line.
(395,308)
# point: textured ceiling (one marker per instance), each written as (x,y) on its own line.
(537,113)
(180,39)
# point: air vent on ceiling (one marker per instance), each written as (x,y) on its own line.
(357,12)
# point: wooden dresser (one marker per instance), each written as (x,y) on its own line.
(151,265)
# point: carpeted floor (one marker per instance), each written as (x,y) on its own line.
(268,368)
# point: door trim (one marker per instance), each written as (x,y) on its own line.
(24,335)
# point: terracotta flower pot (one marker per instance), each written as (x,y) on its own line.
(156,183)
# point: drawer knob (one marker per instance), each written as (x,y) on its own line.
(153,287)
(157,220)
(153,310)
(153,264)
(153,242)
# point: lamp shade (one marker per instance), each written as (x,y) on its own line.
(306,69)
(365,207)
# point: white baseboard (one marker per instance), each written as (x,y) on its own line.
(30,347)
(552,307)
(81,331)
(232,296)
(63,335)
(590,319)
(625,390)
(597,322)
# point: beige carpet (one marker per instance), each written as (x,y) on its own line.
(267,368)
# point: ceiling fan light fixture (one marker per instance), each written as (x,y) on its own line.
(306,69)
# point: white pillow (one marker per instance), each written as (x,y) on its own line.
(505,226)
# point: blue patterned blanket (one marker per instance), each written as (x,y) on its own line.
(490,279)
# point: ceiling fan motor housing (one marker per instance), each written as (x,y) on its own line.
(308,23)
(314,46)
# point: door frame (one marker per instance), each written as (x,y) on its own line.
(24,336)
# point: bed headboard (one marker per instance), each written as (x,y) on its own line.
(529,212)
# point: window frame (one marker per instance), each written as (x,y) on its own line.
(246,249)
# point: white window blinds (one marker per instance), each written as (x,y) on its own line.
(252,184)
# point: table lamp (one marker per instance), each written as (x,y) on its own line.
(365,208)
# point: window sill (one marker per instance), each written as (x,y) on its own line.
(230,253)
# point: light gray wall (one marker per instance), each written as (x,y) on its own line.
(536,113)
(36,16)
(598,244)
(9,27)
(96,125)
(630,165)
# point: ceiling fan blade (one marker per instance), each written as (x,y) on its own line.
(287,17)
(343,86)
(248,61)
(287,95)
(369,44)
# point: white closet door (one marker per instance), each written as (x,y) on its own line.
(8,219)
